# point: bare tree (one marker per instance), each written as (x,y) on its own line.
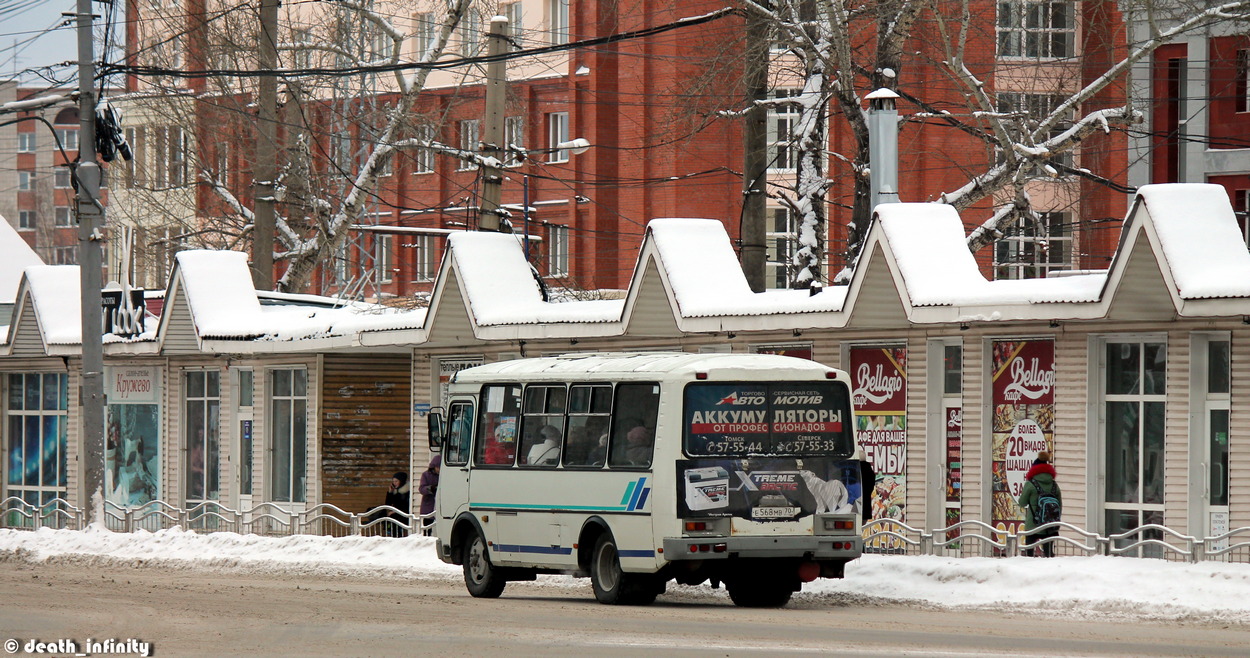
(839,51)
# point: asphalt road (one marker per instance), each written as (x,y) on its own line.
(185,611)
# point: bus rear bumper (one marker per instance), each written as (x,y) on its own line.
(821,547)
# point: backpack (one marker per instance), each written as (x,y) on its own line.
(1048,507)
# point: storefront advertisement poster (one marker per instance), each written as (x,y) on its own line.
(879,392)
(132,439)
(1023,399)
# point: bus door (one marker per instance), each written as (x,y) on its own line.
(452,496)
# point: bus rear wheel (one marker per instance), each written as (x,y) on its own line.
(759,592)
(611,584)
(481,578)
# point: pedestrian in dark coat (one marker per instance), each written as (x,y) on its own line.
(1040,478)
(428,487)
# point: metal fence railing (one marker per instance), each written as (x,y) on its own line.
(263,519)
(886,536)
(978,539)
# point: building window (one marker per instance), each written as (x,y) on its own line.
(783,153)
(68,138)
(1135,400)
(37,436)
(423,258)
(783,238)
(468,143)
(1241,206)
(66,256)
(202,406)
(516,26)
(1036,28)
(513,139)
(26,142)
(302,57)
(557,250)
(177,156)
(289,396)
(61,178)
(26,219)
(557,133)
(423,161)
(423,31)
(558,21)
(1242,84)
(384,256)
(1032,250)
(471,33)
(25,180)
(1031,109)
(63,216)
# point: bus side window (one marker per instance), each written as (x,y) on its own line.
(634,415)
(459,434)
(542,428)
(497,425)
(589,410)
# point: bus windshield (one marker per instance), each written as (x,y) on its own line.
(768,418)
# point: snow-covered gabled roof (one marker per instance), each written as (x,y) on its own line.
(700,273)
(1199,238)
(218,291)
(55,297)
(216,288)
(928,247)
(499,287)
(17,257)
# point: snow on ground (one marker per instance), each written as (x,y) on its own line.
(1114,587)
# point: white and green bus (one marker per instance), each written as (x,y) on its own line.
(636,469)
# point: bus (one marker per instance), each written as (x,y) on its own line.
(637,469)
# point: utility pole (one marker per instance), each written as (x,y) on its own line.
(488,217)
(90,225)
(266,147)
(755,154)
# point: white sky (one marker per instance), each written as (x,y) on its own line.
(21,44)
(1086,587)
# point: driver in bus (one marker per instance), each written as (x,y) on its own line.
(546,453)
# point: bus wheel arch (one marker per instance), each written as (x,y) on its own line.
(462,532)
(592,529)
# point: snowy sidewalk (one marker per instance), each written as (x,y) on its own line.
(1080,586)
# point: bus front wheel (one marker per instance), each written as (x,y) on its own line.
(481,578)
(611,584)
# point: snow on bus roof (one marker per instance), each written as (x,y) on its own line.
(642,362)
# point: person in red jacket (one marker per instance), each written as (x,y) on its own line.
(1039,481)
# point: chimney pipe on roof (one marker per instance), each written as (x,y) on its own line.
(883,146)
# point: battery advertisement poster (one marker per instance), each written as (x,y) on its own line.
(132,437)
(879,393)
(764,489)
(1023,400)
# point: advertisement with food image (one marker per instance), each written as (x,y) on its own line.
(1023,399)
(879,393)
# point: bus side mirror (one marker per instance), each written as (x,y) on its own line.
(436,429)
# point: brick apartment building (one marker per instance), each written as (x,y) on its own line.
(648,106)
(1200,117)
(36,190)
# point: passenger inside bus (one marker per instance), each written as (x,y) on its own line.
(638,443)
(547,452)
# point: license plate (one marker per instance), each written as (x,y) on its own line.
(774,512)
